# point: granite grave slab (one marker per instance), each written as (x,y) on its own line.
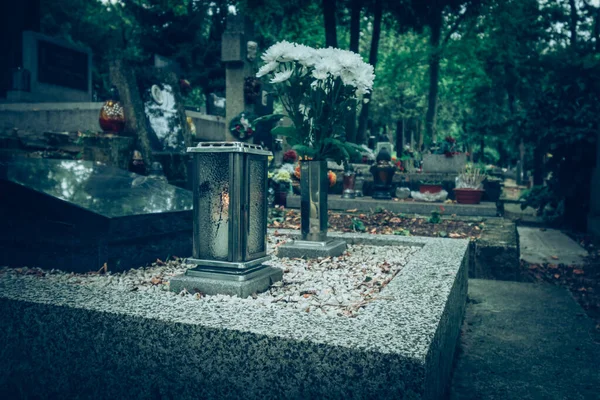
(78,215)
(67,339)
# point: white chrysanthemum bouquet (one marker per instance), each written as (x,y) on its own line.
(317,88)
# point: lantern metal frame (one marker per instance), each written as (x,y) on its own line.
(243,266)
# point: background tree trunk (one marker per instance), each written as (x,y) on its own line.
(434,74)
(400,139)
(354,40)
(364,111)
(355,24)
(330,24)
(573,24)
(597,29)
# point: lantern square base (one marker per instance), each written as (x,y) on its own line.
(309,249)
(211,282)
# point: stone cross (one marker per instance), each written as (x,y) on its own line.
(234,54)
(239,54)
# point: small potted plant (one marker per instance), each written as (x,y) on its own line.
(430,187)
(469,186)
(282,181)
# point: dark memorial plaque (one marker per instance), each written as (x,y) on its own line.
(62,66)
(78,215)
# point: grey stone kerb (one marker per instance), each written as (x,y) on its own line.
(129,344)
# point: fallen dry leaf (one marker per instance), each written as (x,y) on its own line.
(103,269)
(555,257)
(156,280)
(578,271)
(556,276)
(352,210)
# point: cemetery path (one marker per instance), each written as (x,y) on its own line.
(549,246)
(525,341)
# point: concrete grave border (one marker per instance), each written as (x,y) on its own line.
(71,340)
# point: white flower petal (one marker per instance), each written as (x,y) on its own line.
(282,76)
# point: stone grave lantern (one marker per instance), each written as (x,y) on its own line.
(383,174)
(230,221)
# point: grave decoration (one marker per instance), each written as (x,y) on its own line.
(469,186)
(359,182)
(112,115)
(383,174)
(316,87)
(230,221)
(137,164)
(281,183)
(241,127)
(348,185)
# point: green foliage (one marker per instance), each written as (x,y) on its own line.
(435,218)
(402,232)
(546,202)
(357,225)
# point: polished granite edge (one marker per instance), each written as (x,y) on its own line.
(95,187)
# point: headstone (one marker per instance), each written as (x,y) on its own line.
(79,215)
(15,17)
(161,111)
(155,115)
(215,105)
(442,164)
(58,71)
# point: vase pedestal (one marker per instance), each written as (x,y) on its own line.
(314,242)
(309,249)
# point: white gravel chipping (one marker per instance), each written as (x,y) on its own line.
(339,286)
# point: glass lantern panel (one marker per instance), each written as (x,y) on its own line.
(211,208)
(257,218)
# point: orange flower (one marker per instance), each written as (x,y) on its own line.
(332,178)
(330,175)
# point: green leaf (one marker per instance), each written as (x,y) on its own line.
(268,118)
(304,150)
(358,225)
(284,131)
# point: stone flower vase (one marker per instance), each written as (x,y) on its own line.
(314,184)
